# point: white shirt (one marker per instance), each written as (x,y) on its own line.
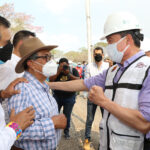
(7,75)
(7,72)
(7,134)
(92,69)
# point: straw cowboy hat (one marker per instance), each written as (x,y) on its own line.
(29,47)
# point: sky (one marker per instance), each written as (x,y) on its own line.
(64,21)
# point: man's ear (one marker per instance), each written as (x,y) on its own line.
(30,64)
(19,44)
(129,39)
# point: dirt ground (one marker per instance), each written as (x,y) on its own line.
(77,128)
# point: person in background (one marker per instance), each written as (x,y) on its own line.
(65,99)
(5,35)
(79,69)
(92,69)
(7,70)
(83,69)
(45,131)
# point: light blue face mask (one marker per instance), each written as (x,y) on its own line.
(1,62)
(113,52)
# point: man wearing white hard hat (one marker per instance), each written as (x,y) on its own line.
(123,90)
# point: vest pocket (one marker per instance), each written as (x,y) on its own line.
(131,136)
(125,142)
(103,134)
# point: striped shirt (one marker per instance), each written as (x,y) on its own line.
(41,135)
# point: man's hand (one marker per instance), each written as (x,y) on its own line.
(60,69)
(109,61)
(10,90)
(96,95)
(59,121)
(24,118)
(66,72)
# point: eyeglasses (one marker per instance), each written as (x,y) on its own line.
(47,57)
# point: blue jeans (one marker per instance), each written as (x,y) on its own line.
(67,104)
(91,109)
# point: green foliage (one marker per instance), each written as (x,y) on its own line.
(57,53)
(101,44)
(77,56)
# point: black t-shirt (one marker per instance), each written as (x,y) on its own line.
(63,78)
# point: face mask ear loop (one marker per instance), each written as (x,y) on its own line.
(121,40)
(36,69)
(37,63)
(126,46)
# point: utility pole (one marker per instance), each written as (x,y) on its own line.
(89,39)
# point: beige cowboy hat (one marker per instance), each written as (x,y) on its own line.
(29,47)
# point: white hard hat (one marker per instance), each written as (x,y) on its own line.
(120,21)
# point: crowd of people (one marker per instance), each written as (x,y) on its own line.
(30,115)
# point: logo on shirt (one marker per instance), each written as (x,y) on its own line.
(114,68)
(140,65)
(64,78)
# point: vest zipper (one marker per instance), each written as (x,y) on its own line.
(112,132)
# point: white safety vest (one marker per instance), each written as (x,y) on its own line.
(115,135)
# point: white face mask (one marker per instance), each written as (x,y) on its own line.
(48,69)
(113,52)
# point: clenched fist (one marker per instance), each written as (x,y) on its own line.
(96,95)
(60,121)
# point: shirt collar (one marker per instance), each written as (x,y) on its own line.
(131,59)
(36,82)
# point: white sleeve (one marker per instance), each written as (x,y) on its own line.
(7,138)
(7,134)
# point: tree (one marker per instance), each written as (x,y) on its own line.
(19,21)
(57,53)
(101,44)
(77,56)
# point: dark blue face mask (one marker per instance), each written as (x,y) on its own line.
(6,51)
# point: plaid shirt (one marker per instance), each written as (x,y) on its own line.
(41,135)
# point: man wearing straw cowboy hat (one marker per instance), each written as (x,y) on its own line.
(44,134)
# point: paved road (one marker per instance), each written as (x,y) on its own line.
(78,128)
